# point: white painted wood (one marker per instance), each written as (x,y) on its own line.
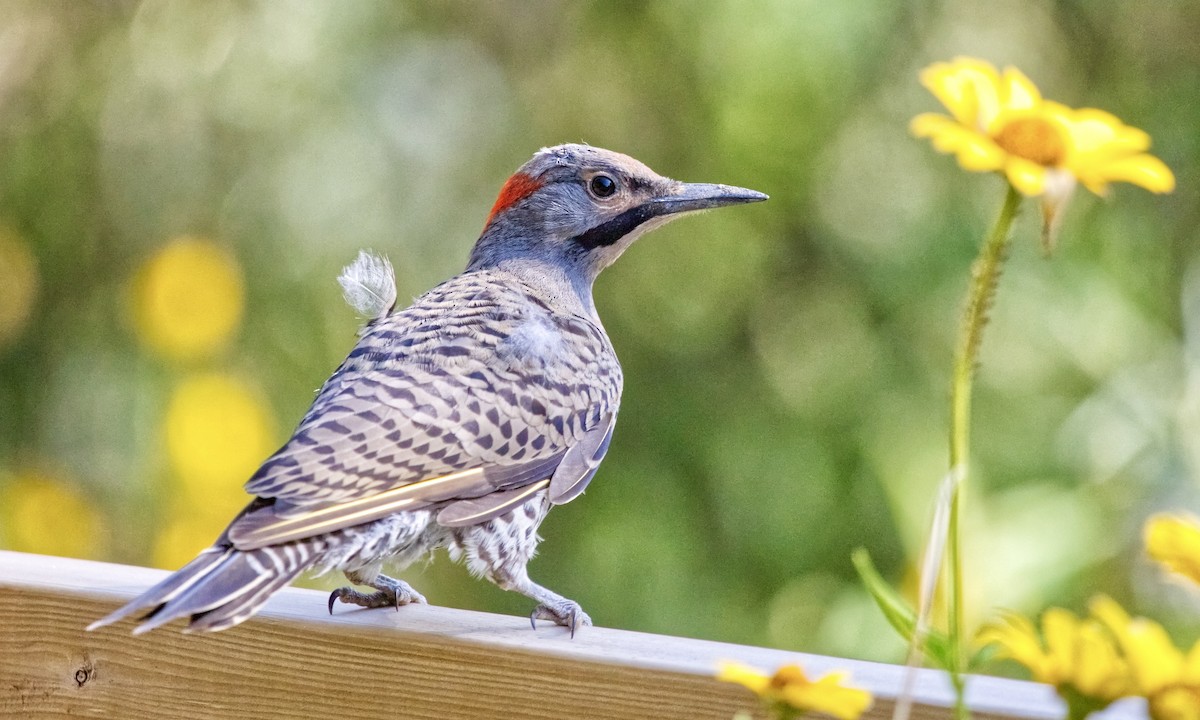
(295,660)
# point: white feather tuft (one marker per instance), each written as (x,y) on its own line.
(369,285)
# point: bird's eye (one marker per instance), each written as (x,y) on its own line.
(603,186)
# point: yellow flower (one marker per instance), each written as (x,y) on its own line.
(218,431)
(188,299)
(1078,657)
(19,289)
(999,122)
(790,687)
(1174,541)
(43,514)
(1161,673)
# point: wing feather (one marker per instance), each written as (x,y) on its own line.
(482,509)
(581,461)
(270,527)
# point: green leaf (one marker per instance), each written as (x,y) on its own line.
(937,648)
(898,612)
(894,608)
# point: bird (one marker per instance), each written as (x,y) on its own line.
(456,422)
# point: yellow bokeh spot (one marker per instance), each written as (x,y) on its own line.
(188,299)
(19,287)
(218,431)
(42,514)
(183,537)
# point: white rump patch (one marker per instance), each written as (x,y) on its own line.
(369,285)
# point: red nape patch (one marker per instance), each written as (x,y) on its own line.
(518,187)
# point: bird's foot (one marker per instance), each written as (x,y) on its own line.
(389,593)
(567,613)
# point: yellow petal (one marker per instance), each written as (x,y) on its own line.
(1016,639)
(1093,130)
(931,124)
(1099,671)
(1110,613)
(1026,176)
(975,152)
(969,88)
(828,696)
(1154,661)
(744,675)
(1174,541)
(979,154)
(1060,628)
(1019,92)
(1191,667)
(945,134)
(1145,171)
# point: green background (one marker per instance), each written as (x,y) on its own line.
(786,364)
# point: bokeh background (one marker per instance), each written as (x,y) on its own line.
(181,182)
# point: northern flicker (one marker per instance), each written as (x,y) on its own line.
(457,422)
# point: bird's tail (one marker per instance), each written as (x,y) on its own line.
(219,589)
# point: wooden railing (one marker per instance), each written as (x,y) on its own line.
(295,661)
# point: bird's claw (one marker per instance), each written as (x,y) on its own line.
(568,614)
(394,596)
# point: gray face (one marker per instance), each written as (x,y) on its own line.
(583,187)
(579,207)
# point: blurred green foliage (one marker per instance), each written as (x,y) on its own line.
(787,364)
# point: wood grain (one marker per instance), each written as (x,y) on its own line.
(295,661)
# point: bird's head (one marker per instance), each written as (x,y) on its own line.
(580,207)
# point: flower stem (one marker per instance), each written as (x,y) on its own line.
(984,275)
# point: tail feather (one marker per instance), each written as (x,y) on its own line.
(226,583)
(232,614)
(219,589)
(168,589)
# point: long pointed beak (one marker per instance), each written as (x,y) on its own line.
(681,198)
(703,196)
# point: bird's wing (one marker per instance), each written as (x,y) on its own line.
(425,414)
(580,462)
(571,474)
(267,527)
